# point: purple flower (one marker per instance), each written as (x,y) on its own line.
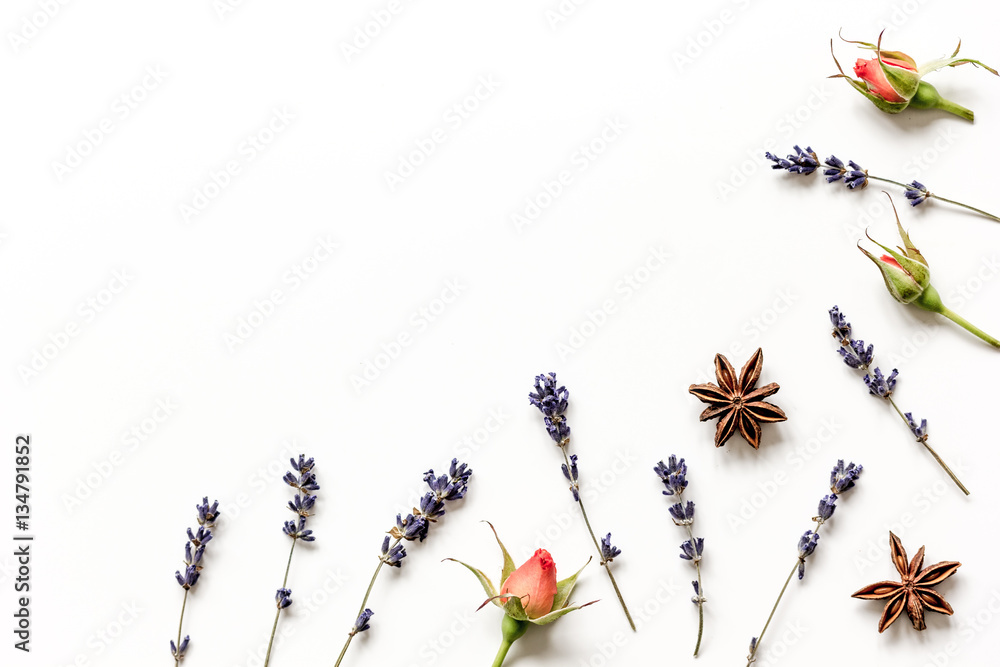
(552,401)
(841,327)
(826,507)
(917,193)
(572,473)
(302,505)
(856,177)
(842,478)
(298,531)
(189,578)
(608,551)
(178,653)
(683,514)
(283,598)
(879,385)
(203,536)
(807,545)
(692,551)
(361,624)
(673,475)
(919,432)
(207,514)
(392,556)
(803,162)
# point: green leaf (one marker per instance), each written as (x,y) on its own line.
(565,587)
(487,585)
(558,613)
(508,562)
(513,608)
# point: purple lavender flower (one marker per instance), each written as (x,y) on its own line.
(917,193)
(410,528)
(673,475)
(826,507)
(431,507)
(283,598)
(692,550)
(879,385)
(841,327)
(207,514)
(803,162)
(807,545)
(683,514)
(856,177)
(178,653)
(572,473)
(552,401)
(855,354)
(361,624)
(608,551)
(298,531)
(392,556)
(842,478)
(919,432)
(203,536)
(302,505)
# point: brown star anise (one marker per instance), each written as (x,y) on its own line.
(914,592)
(735,401)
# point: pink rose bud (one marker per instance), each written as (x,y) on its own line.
(870,71)
(534,583)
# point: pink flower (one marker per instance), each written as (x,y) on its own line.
(534,583)
(871,72)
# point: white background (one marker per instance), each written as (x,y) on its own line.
(755,259)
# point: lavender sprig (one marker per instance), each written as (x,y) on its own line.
(444,489)
(552,401)
(842,479)
(673,474)
(856,177)
(194,554)
(305,485)
(857,356)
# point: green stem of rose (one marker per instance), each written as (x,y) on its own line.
(597,545)
(930,449)
(968,326)
(284,584)
(180,625)
(753,653)
(371,584)
(957,109)
(512,630)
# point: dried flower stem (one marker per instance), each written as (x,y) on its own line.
(931,195)
(364,602)
(701,591)
(284,584)
(180,625)
(930,449)
(597,545)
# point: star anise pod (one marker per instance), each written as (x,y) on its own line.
(736,403)
(914,592)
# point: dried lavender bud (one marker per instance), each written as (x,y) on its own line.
(298,531)
(917,193)
(207,514)
(572,473)
(842,478)
(691,551)
(803,162)
(673,475)
(879,385)
(608,551)
(826,507)
(919,432)
(361,624)
(302,505)
(683,514)
(178,653)
(283,598)
(807,545)
(856,177)
(841,327)
(552,401)
(392,556)
(431,507)
(189,578)
(203,536)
